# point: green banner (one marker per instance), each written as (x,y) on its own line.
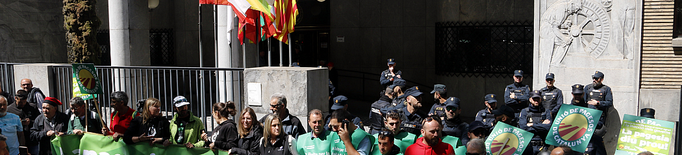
(77,90)
(98,144)
(573,126)
(66,145)
(507,140)
(639,134)
(87,79)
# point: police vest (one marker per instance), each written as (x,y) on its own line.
(306,145)
(339,148)
(488,119)
(439,109)
(596,94)
(549,99)
(532,117)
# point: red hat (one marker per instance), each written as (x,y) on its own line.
(52,101)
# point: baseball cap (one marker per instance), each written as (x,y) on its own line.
(647,112)
(414,91)
(504,110)
(518,73)
(535,93)
(577,89)
(476,125)
(598,74)
(180,101)
(391,61)
(440,88)
(549,76)
(490,98)
(339,102)
(452,102)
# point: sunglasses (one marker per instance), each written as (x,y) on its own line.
(431,118)
(386,133)
(450,108)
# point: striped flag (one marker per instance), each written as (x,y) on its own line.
(286,12)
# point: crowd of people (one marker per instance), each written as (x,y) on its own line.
(396,122)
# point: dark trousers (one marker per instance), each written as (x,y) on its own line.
(596,146)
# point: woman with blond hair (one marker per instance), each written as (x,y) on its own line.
(250,132)
(151,127)
(275,141)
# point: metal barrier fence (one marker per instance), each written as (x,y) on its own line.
(201,86)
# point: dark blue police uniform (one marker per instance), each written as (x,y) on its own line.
(520,90)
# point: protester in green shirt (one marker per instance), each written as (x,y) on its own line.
(318,141)
(402,139)
(185,128)
(77,119)
(354,141)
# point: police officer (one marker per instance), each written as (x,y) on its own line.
(486,115)
(477,130)
(399,96)
(390,74)
(596,144)
(516,94)
(340,103)
(505,114)
(440,96)
(375,119)
(411,116)
(537,120)
(551,95)
(453,125)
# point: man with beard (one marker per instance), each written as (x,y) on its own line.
(291,125)
(389,75)
(28,114)
(185,128)
(375,117)
(453,125)
(353,140)
(486,115)
(537,120)
(77,124)
(412,117)
(402,139)
(551,95)
(10,125)
(431,142)
(516,94)
(318,141)
(440,94)
(51,123)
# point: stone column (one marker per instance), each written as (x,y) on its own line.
(225,16)
(119,33)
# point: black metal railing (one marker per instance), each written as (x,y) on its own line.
(7,78)
(488,49)
(201,86)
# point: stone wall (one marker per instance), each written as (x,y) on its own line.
(32,31)
(305,88)
(575,38)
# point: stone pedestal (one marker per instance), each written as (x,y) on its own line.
(305,88)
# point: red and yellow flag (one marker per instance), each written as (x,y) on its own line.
(285,13)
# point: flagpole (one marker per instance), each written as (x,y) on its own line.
(289,40)
(269,51)
(201,59)
(243,46)
(280,54)
(215,33)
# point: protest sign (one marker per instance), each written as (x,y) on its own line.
(573,127)
(639,134)
(507,140)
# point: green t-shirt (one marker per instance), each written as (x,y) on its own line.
(307,145)
(461,150)
(402,140)
(339,148)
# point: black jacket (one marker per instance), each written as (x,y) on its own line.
(281,146)
(225,136)
(41,126)
(376,121)
(250,143)
(157,126)
(29,112)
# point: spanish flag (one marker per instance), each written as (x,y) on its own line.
(285,12)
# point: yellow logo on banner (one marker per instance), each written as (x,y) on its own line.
(504,144)
(574,130)
(87,79)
